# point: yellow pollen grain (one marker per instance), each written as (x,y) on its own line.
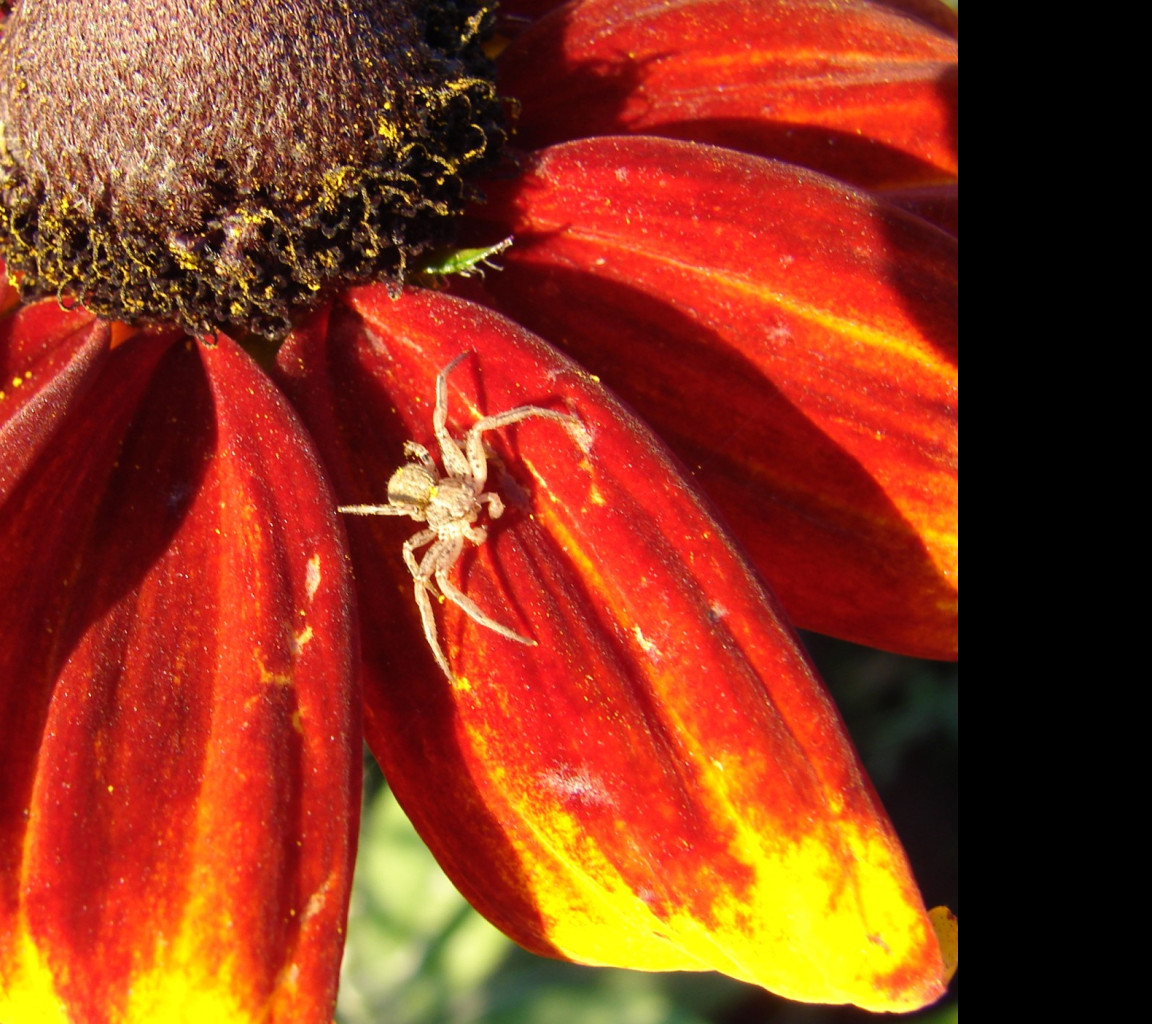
(387,130)
(300,640)
(595,495)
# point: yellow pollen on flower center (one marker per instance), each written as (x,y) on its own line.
(227,163)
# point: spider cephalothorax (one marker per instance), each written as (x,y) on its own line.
(450,503)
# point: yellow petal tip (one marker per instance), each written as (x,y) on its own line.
(947,929)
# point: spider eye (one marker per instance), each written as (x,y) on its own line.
(411,485)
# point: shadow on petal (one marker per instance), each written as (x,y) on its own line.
(797,347)
(859,91)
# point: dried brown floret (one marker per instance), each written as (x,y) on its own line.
(294,145)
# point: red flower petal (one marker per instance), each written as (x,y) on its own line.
(47,358)
(661,782)
(856,90)
(794,342)
(182,758)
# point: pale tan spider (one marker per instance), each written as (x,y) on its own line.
(450,503)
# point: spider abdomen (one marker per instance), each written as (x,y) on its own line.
(411,488)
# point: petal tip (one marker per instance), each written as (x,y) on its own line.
(947,929)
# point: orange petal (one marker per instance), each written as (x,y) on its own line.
(182,748)
(793,341)
(661,782)
(857,90)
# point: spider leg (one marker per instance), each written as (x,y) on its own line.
(418,452)
(440,415)
(455,464)
(474,441)
(372,510)
(495,505)
(572,424)
(421,571)
(470,608)
(476,534)
(424,603)
(438,559)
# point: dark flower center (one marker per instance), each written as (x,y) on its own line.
(225,162)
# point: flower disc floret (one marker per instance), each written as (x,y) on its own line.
(224,162)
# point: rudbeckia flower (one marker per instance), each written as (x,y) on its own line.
(232,232)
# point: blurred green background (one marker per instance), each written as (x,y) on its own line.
(418,954)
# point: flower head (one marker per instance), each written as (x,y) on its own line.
(197,641)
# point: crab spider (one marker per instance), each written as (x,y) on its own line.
(450,502)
